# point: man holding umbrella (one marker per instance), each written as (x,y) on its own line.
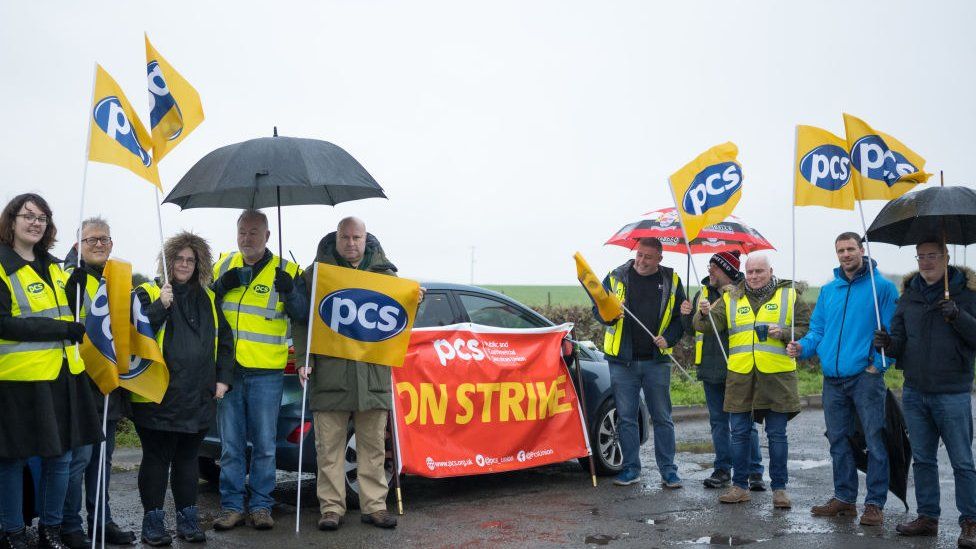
(933,336)
(841,328)
(259,292)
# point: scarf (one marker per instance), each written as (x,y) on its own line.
(763,293)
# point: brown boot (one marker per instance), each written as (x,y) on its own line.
(872,515)
(228,519)
(380,519)
(781,500)
(834,508)
(735,495)
(967,538)
(922,526)
(330,521)
(261,519)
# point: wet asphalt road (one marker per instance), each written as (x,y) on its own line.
(557,506)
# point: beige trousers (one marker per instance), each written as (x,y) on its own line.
(330,447)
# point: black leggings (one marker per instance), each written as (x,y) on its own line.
(168,454)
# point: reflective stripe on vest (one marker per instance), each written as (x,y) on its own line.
(613,334)
(153,291)
(256,314)
(31,297)
(700,336)
(745,349)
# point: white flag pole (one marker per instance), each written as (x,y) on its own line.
(301,426)
(162,244)
(874,288)
(100,483)
(81,206)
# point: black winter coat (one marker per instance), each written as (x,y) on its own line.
(713,367)
(936,356)
(188,348)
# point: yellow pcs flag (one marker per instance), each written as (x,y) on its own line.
(607,305)
(707,189)
(884,168)
(147,377)
(175,104)
(821,170)
(361,316)
(116,135)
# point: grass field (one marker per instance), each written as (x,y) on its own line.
(535,296)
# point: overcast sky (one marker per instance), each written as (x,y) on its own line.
(525,129)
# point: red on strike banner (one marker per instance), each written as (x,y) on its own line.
(473,399)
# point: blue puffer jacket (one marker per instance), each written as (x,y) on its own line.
(843,323)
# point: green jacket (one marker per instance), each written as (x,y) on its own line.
(338,384)
(755,392)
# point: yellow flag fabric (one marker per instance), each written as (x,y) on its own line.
(883,167)
(707,189)
(148,375)
(358,315)
(175,104)
(822,170)
(107,327)
(607,305)
(116,134)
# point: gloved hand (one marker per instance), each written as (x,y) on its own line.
(283,283)
(230,280)
(75,331)
(949,310)
(78,276)
(881,339)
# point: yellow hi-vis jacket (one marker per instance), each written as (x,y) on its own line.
(153,291)
(256,314)
(745,349)
(91,286)
(614,334)
(32,297)
(699,336)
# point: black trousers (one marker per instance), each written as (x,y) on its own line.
(172,455)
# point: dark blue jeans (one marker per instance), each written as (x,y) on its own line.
(54,484)
(863,393)
(722,433)
(742,426)
(627,379)
(249,413)
(83,471)
(949,416)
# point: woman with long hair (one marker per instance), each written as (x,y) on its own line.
(46,411)
(198,347)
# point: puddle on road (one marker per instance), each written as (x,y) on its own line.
(603,539)
(653,521)
(726,541)
(804,464)
(595,511)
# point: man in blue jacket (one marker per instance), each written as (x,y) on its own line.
(841,334)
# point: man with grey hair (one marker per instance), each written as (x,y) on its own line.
(761,385)
(96,247)
(341,388)
(259,292)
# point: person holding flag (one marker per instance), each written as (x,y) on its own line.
(841,331)
(47,410)
(96,247)
(712,368)
(637,346)
(762,383)
(198,347)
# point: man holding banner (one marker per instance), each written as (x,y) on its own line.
(96,247)
(342,388)
(637,350)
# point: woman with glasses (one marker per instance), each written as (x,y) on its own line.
(44,409)
(198,347)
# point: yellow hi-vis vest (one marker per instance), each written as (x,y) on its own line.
(153,291)
(700,336)
(256,314)
(32,297)
(613,334)
(91,286)
(745,349)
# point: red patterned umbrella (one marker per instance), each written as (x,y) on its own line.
(664,224)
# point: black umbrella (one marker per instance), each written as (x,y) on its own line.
(897,443)
(274,171)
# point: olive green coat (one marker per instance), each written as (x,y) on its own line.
(338,384)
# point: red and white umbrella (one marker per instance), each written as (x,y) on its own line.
(665,225)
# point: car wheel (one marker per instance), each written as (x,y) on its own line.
(608,456)
(209,470)
(351,469)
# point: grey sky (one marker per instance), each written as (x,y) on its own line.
(528,129)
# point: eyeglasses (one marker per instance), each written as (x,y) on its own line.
(187,260)
(929,257)
(31,218)
(92,240)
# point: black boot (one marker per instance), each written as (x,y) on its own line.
(14,540)
(49,537)
(154,529)
(188,525)
(75,540)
